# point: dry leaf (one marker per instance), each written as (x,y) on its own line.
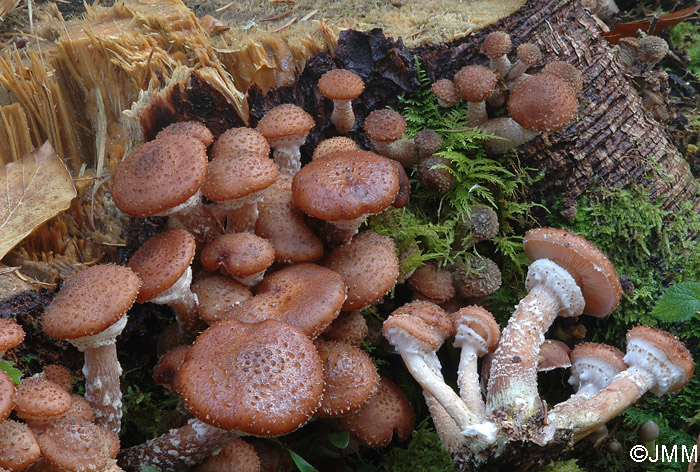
(34,189)
(631,29)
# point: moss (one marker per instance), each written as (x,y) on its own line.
(686,37)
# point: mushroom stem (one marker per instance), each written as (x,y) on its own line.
(402,150)
(287,155)
(513,377)
(184,446)
(342,116)
(186,312)
(196,218)
(509,134)
(468,381)
(103,392)
(476,114)
(242,219)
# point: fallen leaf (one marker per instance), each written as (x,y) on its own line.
(630,29)
(33,190)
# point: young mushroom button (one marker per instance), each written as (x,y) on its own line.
(345,187)
(341,86)
(286,127)
(244,256)
(384,128)
(89,312)
(475,84)
(496,46)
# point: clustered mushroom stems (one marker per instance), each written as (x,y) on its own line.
(183,303)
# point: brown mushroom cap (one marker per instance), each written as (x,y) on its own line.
(340,84)
(429,313)
(194,129)
(159,175)
(475,83)
(236,455)
(167,366)
(7,396)
(388,411)
(239,254)
(384,125)
(242,139)
(350,378)
(60,375)
(39,398)
(264,379)
(409,329)
(18,446)
(345,185)
(11,334)
(566,72)
(553,354)
(481,322)
(161,261)
(216,294)
(591,269)
(427,142)
(76,445)
(349,327)
(433,282)
(306,296)
(651,49)
(444,89)
(336,143)
(282,223)
(434,173)
(662,351)
(477,277)
(529,53)
(238,173)
(90,301)
(496,44)
(285,120)
(543,102)
(369,266)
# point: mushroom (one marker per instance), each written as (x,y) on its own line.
(434,173)
(341,86)
(336,143)
(7,396)
(553,355)
(286,127)
(445,92)
(540,103)
(566,72)
(216,294)
(475,84)
(241,139)
(658,362)
(496,47)
(569,276)
(236,455)
(236,180)
(345,187)
(193,129)
(388,411)
(593,366)
(477,276)
(263,379)
(482,223)
(18,446)
(244,256)
(163,263)
(11,335)
(369,267)
(427,142)
(60,375)
(651,50)
(384,128)
(74,446)
(348,327)
(529,54)
(40,402)
(433,283)
(89,312)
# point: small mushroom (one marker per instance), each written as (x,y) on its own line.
(496,47)
(75,446)
(18,446)
(286,127)
(341,86)
(385,129)
(445,92)
(475,84)
(336,143)
(11,335)
(529,54)
(433,283)
(236,455)
(244,256)
(427,142)
(40,402)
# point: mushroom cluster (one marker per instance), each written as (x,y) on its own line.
(568,277)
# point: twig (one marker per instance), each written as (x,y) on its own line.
(415,35)
(278,17)
(309,15)
(6,270)
(228,5)
(284,26)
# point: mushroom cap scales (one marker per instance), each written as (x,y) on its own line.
(263,379)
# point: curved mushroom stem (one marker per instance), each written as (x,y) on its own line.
(402,150)
(184,303)
(342,116)
(509,132)
(513,377)
(468,381)
(184,446)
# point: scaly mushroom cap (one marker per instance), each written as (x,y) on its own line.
(284,121)
(529,53)
(60,375)
(78,446)
(433,282)
(496,44)
(483,222)
(477,277)
(238,173)
(336,143)
(444,89)
(543,102)
(412,333)
(216,294)
(595,364)
(427,142)
(475,83)
(434,173)
(11,334)
(167,366)
(651,49)
(264,379)
(477,326)
(242,139)
(282,223)
(591,269)
(566,72)
(90,301)
(39,398)
(350,378)
(159,175)
(193,129)
(384,125)
(161,261)
(340,84)
(345,185)
(18,446)
(239,254)
(663,355)
(349,327)
(236,455)
(369,266)
(430,313)
(306,296)
(388,411)
(7,396)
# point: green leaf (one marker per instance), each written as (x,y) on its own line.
(301,462)
(680,302)
(148,468)
(9,368)
(339,439)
